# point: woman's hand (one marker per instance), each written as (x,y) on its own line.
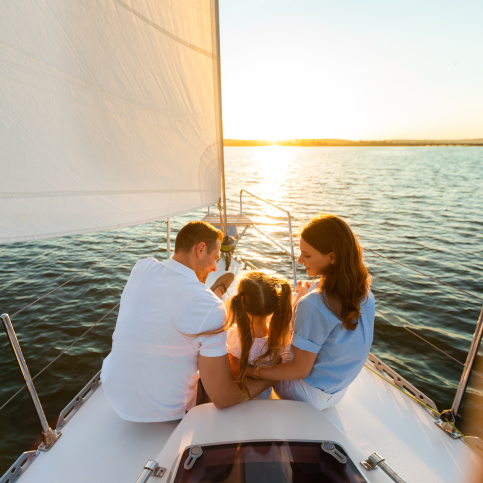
(299,368)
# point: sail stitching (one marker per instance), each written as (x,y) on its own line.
(165,32)
(54,194)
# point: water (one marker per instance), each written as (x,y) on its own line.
(420,206)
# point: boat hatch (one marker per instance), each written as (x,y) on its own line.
(268,461)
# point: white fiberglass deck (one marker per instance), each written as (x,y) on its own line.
(98,446)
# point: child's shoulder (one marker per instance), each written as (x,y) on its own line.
(232,336)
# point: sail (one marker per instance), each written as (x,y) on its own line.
(109,114)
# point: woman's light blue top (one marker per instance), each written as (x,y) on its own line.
(341,353)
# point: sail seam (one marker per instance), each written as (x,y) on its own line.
(43,236)
(165,32)
(56,194)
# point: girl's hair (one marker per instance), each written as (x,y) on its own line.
(346,283)
(262,295)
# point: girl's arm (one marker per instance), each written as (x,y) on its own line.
(299,368)
(301,289)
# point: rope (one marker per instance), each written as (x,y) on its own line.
(425,274)
(81,273)
(426,406)
(464,437)
(62,353)
(403,391)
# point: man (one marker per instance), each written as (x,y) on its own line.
(151,373)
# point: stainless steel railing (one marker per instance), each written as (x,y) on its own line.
(290,253)
(49,436)
(470,361)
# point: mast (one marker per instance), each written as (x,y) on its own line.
(220,123)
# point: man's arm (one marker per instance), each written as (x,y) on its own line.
(234,366)
(220,385)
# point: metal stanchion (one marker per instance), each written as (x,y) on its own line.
(49,436)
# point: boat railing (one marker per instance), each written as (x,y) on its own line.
(290,253)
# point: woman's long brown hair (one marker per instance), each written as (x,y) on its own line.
(259,295)
(347,282)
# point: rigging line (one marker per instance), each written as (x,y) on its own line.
(426,406)
(420,337)
(403,391)
(427,342)
(62,353)
(81,273)
(425,274)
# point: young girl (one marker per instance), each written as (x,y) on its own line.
(333,320)
(258,322)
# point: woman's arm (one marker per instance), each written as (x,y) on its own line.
(299,368)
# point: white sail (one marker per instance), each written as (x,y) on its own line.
(109,114)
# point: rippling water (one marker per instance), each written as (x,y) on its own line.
(421,206)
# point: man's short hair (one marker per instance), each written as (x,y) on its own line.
(196,232)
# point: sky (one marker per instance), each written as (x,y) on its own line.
(352,69)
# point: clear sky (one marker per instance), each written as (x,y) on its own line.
(352,69)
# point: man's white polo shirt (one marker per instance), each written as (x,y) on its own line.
(151,373)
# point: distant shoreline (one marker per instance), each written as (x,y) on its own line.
(343,142)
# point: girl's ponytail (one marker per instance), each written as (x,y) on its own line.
(239,314)
(279,331)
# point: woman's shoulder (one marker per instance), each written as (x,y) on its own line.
(312,306)
(311,301)
(369,301)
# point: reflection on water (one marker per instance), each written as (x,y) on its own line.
(275,168)
(419,205)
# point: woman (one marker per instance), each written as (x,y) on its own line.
(333,320)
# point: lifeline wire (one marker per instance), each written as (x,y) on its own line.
(425,274)
(427,342)
(81,273)
(62,353)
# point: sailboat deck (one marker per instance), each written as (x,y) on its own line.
(374,416)
(99,446)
